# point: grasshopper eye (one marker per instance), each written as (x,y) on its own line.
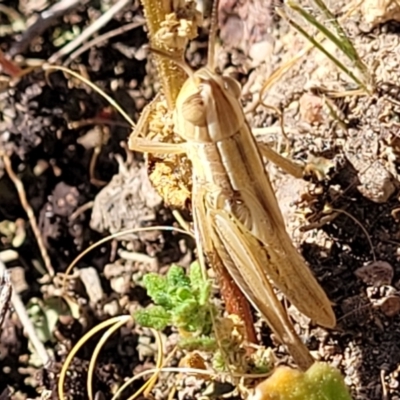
(193,110)
(232,86)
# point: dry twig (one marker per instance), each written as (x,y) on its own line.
(29,212)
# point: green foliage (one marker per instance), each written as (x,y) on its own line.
(44,315)
(320,382)
(219,361)
(156,317)
(181,301)
(200,343)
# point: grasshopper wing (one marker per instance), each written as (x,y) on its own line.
(242,254)
(286,267)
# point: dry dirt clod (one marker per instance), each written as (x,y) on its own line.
(376,12)
(311,108)
(128,201)
(377,183)
(376,273)
(244,23)
(390,306)
(194,360)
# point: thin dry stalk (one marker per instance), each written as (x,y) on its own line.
(14,16)
(29,212)
(92,167)
(23,316)
(80,210)
(315,42)
(355,220)
(79,344)
(284,68)
(5,292)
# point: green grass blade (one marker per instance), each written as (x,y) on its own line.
(351,52)
(311,19)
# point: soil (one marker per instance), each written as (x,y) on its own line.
(68,148)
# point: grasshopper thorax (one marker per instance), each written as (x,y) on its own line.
(208,107)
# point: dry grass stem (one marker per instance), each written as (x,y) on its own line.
(29,212)
(315,41)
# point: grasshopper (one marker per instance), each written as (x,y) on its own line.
(235,211)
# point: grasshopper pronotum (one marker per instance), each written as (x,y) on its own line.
(236,214)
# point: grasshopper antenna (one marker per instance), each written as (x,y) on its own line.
(213,36)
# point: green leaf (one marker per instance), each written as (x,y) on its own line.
(201,287)
(183,301)
(204,294)
(196,275)
(193,318)
(185,315)
(218,361)
(201,343)
(154,317)
(44,314)
(157,288)
(176,277)
(184,294)
(327,381)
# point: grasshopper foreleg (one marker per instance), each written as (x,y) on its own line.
(150,146)
(317,166)
(289,166)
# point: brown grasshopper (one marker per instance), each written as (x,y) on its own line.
(236,214)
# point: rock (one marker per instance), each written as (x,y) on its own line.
(119,274)
(91,280)
(376,273)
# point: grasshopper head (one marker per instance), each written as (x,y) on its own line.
(208,108)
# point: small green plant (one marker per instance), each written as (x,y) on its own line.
(183,301)
(320,382)
(180,300)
